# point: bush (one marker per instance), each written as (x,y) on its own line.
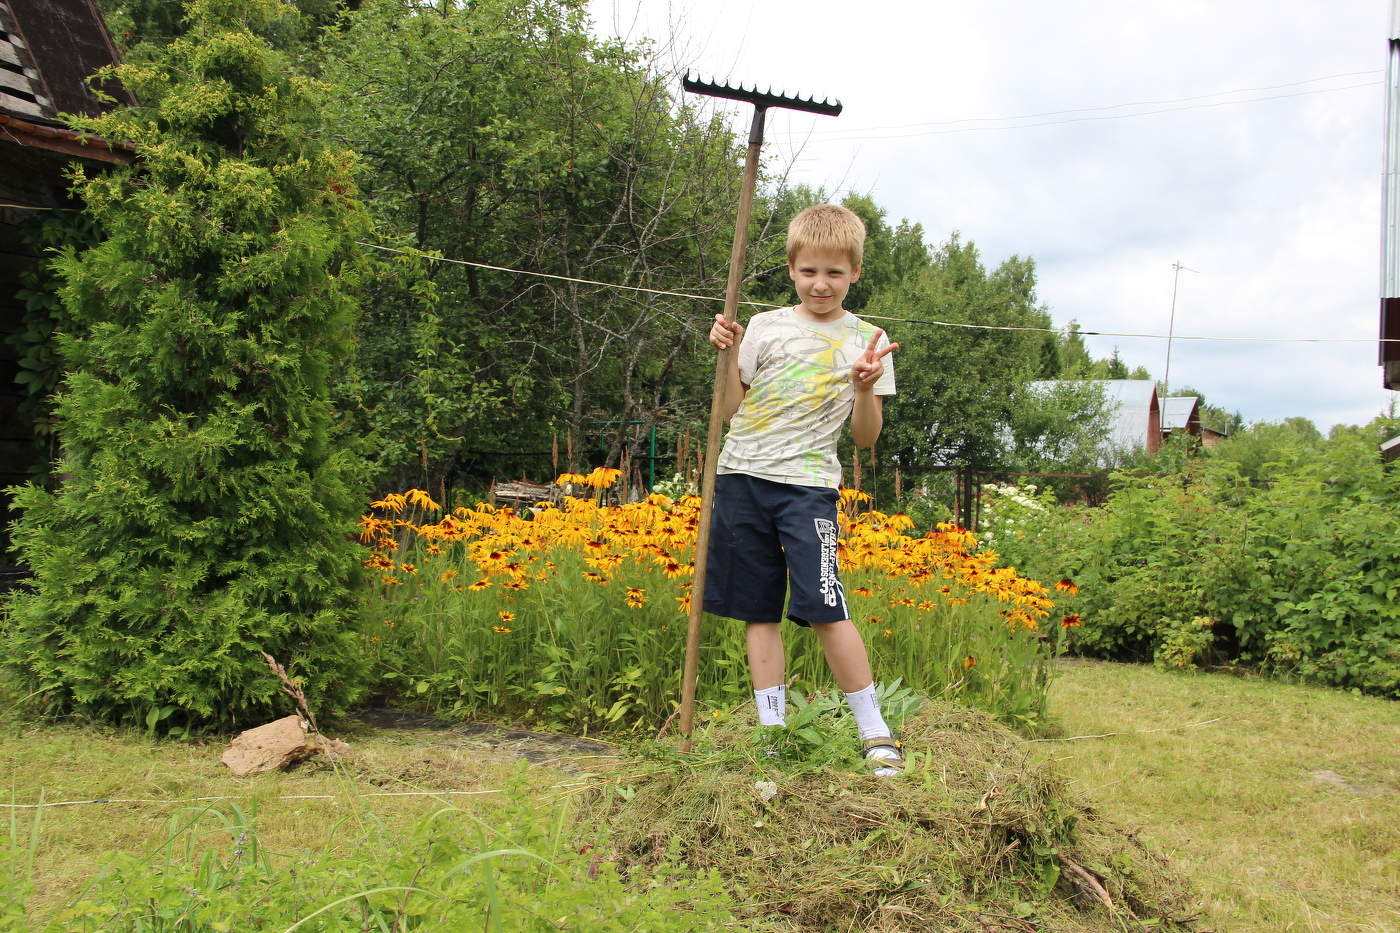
(203,512)
(1296,572)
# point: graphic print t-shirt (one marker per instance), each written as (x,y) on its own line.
(800,393)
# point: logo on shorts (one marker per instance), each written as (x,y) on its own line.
(826,536)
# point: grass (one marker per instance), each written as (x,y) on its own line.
(77,763)
(1285,811)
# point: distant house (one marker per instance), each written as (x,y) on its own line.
(1182,414)
(1136,413)
(48,48)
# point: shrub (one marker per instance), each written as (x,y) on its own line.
(1296,572)
(203,512)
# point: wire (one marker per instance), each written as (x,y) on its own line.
(883,317)
(1116,116)
(563,278)
(1135,103)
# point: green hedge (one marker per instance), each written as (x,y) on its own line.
(1295,574)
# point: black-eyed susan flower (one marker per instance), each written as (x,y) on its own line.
(1071,621)
(506,616)
(1066,585)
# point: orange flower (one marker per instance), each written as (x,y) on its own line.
(1066,585)
(1071,621)
(479,585)
(863,591)
(968,662)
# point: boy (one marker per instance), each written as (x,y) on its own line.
(798,374)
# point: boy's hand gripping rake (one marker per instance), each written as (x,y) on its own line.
(761,101)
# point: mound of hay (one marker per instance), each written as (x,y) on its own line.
(974,836)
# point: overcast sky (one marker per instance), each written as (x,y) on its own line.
(1107,141)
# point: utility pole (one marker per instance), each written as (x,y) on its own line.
(1171,322)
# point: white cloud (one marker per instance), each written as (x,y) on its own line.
(1276,202)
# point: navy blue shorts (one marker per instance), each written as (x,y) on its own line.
(770,540)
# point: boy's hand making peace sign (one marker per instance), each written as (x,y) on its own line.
(868,367)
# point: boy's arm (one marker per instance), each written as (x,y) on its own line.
(867,416)
(726,335)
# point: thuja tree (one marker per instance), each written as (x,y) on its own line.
(204,508)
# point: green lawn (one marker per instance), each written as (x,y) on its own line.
(1285,809)
(1281,802)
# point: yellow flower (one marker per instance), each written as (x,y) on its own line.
(863,591)
(421,498)
(506,616)
(887,632)
(501,630)
(479,585)
(602,477)
(408,568)
(447,576)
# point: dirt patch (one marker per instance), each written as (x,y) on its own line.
(565,752)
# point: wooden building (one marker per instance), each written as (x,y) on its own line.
(48,50)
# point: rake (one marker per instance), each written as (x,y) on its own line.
(761,101)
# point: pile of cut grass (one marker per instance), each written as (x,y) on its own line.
(974,836)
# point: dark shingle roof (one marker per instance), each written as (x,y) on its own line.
(48,50)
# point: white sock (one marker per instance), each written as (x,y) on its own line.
(866,708)
(772,705)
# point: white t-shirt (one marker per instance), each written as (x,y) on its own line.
(800,393)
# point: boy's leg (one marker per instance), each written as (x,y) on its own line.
(807,527)
(766,668)
(845,654)
(747,581)
(850,665)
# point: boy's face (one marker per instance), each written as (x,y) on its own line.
(822,278)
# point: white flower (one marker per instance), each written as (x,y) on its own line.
(767,790)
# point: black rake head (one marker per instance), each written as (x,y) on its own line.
(760,98)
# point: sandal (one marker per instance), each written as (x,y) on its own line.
(882,752)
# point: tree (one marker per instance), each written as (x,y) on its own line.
(959,388)
(204,513)
(502,133)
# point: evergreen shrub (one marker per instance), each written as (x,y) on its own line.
(204,508)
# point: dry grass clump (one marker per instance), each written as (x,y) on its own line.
(974,836)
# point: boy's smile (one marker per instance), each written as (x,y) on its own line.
(822,278)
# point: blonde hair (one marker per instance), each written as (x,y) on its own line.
(826,226)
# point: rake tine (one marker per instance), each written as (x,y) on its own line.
(752,95)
